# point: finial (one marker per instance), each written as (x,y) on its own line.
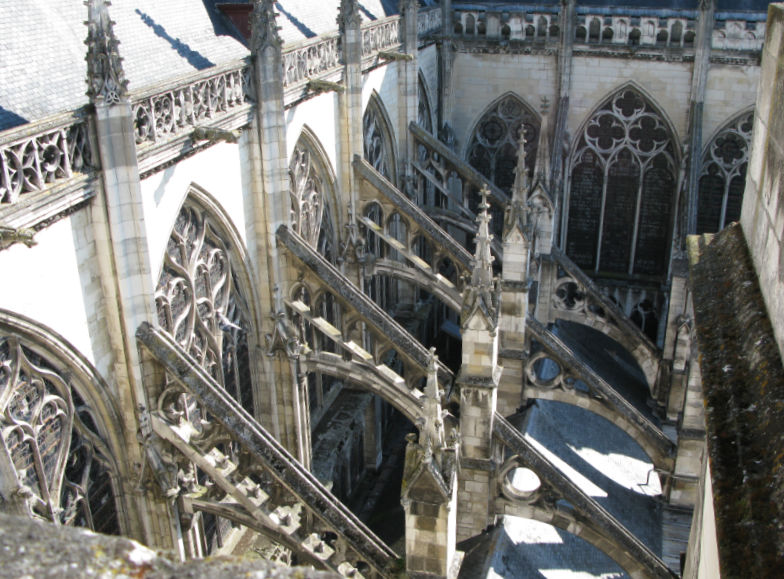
(542,166)
(520,186)
(482,274)
(349,15)
(105,77)
(431,388)
(264,30)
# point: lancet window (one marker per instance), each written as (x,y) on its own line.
(200,304)
(622,190)
(55,452)
(310,210)
(723,176)
(378,145)
(424,114)
(493,147)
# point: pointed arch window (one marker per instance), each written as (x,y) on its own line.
(200,304)
(378,144)
(493,147)
(310,191)
(723,176)
(622,189)
(53,448)
(424,114)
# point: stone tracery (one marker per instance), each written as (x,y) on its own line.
(55,452)
(200,305)
(622,229)
(493,147)
(723,176)
(377,140)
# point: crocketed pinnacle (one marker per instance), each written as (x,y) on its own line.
(106,83)
(264,30)
(432,432)
(482,274)
(520,185)
(542,167)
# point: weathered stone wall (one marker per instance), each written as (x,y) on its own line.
(762,216)
(479,79)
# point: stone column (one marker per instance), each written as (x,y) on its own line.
(478,383)
(408,104)
(567,31)
(124,262)
(446,58)
(285,408)
(696,103)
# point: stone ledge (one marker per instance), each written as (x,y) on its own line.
(31,548)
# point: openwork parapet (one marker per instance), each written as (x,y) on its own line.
(42,155)
(311,59)
(428,21)
(167,113)
(380,35)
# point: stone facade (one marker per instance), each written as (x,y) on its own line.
(228,261)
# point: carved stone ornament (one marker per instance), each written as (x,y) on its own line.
(376,143)
(353,247)
(264,30)
(200,305)
(52,459)
(105,77)
(349,17)
(307,196)
(285,336)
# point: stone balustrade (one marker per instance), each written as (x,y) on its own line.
(382,34)
(181,107)
(313,58)
(36,156)
(629,27)
(428,21)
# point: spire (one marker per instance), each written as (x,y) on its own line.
(516,213)
(349,15)
(479,295)
(542,169)
(482,274)
(520,185)
(264,30)
(432,435)
(105,77)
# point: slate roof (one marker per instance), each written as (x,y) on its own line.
(42,66)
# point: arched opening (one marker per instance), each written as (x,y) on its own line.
(202,300)
(55,428)
(492,149)
(378,139)
(723,175)
(623,173)
(312,195)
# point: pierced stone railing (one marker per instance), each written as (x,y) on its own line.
(37,156)
(378,35)
(525,23)
(628,27)
(428,21)
(732,33)
(161,115)
(311,59)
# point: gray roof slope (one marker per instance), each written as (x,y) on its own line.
(42,66)
(301,19)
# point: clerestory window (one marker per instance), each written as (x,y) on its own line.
(622,190)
